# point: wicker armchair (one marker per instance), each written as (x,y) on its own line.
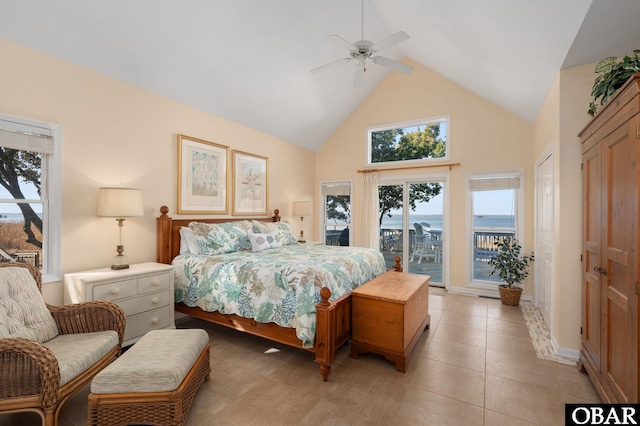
(30,374)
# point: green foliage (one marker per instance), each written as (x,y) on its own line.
(339,207)
(613,74)
(395,145)
(510,266)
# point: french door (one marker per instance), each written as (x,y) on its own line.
(413,225)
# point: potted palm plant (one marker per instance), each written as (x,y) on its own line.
(613,73)
(511,267)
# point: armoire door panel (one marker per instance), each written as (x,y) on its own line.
(616,372)
(620,150)
(592,299)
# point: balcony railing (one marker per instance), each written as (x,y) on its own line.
(485,243)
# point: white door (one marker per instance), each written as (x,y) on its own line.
(544,237)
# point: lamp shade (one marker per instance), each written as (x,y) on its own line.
(120,202)
(302,208)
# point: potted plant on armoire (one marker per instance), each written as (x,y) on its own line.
(511,267)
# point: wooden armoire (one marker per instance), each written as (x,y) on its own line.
(610,288)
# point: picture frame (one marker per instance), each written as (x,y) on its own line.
(203,176)
(250,183)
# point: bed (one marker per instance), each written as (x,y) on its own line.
(322,329)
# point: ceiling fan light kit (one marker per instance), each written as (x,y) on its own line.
(363,50)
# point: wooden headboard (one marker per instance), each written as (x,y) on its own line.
(168,231)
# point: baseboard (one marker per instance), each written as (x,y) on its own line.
(564,352)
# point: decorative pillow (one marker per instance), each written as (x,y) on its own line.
(219,238)
(284,234)
(188,241)
(23,312)
(265,241)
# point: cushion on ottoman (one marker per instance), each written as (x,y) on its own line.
(158,362)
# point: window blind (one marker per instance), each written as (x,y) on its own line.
(336,189)
(25,138)
(494,183)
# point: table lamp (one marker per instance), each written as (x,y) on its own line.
(120,203)
(302,209)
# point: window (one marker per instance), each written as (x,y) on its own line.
(410,141)
(336,199)
(496,212)
(30,194)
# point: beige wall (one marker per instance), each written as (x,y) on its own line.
(575,89)
(479,130)
(115,133)
(562,116)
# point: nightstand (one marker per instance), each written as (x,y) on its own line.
(314,243)
(144,291)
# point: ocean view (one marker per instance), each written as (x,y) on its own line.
(435,221)
(13,217)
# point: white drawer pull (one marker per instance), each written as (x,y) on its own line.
(155,320)
(115,290)
(155,300)
(155,282)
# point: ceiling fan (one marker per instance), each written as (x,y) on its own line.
(363,50)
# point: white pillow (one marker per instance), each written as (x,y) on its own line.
(264,241)
(188,241)
(284,234)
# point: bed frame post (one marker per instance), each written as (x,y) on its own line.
(398,265)
(325,338)
(163,242)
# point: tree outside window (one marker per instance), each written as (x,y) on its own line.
(402,144)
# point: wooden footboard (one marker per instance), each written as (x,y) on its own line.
(333,319)
(333,327)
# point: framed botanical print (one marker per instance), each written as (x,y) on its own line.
(250,183)
(203,169)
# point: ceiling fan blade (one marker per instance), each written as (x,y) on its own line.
(394,65)
(341,42)
(358,79)
(390,41)
(330,65)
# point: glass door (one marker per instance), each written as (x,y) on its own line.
(412,225)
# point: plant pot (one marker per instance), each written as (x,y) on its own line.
(510,295)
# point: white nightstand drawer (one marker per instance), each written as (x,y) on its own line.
(153,283)
(139,324)
(144,291)
(114,291)
(145,303)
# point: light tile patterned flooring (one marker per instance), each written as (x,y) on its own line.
(476,365)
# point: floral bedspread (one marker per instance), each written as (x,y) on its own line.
(280,285)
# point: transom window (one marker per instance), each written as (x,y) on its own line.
(410,141)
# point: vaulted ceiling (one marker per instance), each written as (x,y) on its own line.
(249,60)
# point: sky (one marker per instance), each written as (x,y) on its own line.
(485,203)
(30,193)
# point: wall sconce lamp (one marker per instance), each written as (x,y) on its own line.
(120,203)
(302,209)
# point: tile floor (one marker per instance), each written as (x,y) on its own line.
(476,365)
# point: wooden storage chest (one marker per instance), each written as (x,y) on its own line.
(389,314)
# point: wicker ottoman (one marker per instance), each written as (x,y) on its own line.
(154,382)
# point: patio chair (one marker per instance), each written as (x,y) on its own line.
(423,245)
(48,352)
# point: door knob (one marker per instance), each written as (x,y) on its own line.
(600,270)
